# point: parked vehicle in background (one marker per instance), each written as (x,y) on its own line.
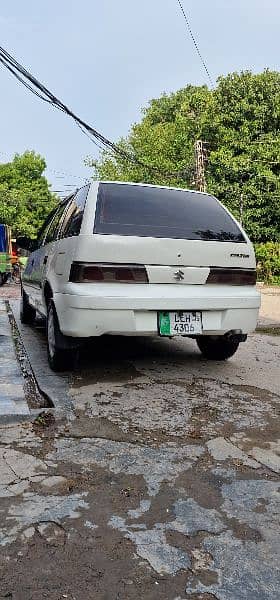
(5,253)
(136,259)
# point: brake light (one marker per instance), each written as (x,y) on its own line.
(107,273)
(232,276)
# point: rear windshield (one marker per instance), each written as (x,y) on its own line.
(125,209)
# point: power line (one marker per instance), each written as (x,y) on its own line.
(64,174)
(24,82)
(89,136)
(195,43)
(7,60)
(15,68)
(57,174)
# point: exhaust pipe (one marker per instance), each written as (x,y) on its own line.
(236,335)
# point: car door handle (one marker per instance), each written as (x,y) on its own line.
(45,260)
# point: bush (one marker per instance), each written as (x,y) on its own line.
(268,262)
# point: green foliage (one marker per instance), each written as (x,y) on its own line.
(25,198)
(240,123)
(268,262)
(244,137)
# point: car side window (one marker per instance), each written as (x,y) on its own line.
(43,231)
(71,225)
(52,232)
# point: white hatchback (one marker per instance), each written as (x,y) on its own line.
(135,259)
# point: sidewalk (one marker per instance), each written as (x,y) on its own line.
(270,306)
(12,397)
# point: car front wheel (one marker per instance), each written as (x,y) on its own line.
(60,356)
(217,347)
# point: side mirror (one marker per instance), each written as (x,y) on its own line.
(27,243)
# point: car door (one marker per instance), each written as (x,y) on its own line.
(30,275)
(47,257)
(35,272)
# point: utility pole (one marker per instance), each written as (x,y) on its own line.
(200,182)
(241,205)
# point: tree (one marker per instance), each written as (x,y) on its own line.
(25,197)
(239,122)
(244,142)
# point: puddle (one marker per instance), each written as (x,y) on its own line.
(116,372)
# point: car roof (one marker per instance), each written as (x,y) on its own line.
(166,187)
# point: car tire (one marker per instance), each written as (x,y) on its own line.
(217,348)
(3,278)
(27,312)
(60,356)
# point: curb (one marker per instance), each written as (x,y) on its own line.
(52,386)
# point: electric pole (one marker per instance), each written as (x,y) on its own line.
(241,206)
(200,182)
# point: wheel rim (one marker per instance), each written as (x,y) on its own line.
(51,333)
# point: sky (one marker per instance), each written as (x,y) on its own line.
(106,59)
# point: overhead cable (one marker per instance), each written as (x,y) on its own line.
(41,91)
(195,43)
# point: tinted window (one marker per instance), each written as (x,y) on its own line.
(43,231)
(159,212)
(52,232)
(74,215)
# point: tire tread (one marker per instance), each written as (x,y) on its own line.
(217,349)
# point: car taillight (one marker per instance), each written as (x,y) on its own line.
(232,276)
(107,273)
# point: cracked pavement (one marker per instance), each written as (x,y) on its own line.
(163,482)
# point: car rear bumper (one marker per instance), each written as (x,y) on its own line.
(94,310)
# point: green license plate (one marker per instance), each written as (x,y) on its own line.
(180,323)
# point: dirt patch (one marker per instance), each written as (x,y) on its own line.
(159,411)
(269,330)
(85,560)
(203,487)
(99,427)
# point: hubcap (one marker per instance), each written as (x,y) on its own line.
(51,333)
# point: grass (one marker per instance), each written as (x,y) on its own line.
(269,330)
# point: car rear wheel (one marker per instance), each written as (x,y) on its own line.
(60,356)
(27,312)
(217,348)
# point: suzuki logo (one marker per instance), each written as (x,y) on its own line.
(179,275)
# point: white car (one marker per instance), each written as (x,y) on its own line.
(135,259)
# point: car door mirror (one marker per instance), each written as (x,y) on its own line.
(27,243)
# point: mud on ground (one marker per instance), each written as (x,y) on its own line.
(162,484)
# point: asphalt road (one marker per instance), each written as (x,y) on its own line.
(161,483)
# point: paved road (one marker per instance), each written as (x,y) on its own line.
(163,484)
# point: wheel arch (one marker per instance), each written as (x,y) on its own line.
(47,293)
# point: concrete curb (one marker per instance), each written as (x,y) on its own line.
(267,324)
(13,402)
(53,386)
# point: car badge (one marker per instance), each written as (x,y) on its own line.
(179,275)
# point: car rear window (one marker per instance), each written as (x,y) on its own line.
(135,210)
